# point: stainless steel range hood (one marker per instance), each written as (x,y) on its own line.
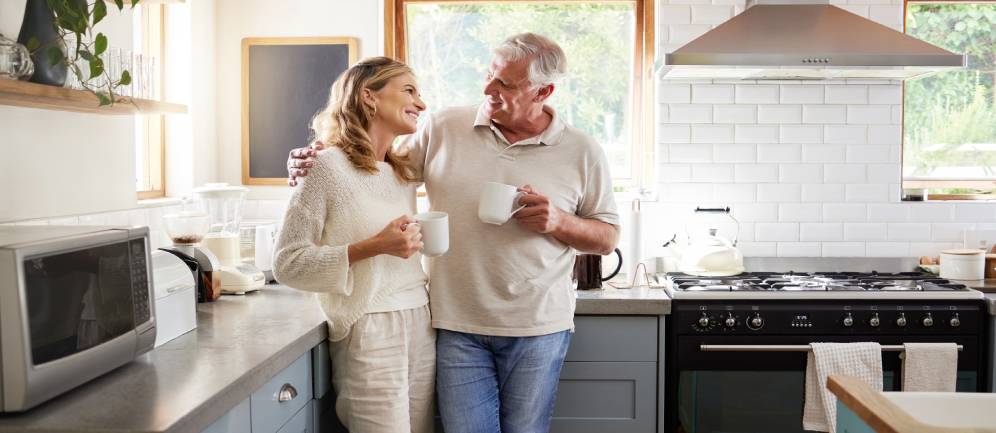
(778,39)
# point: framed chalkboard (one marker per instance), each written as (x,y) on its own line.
(285,81)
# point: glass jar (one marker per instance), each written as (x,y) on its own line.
(15,60)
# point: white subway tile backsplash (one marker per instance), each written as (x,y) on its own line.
(930,249)
(886,94)
(778,152)
(674,93)
(734,114)
(885,134)
(843,249)
(674,172)
(983,212)
(674,133)
(823,153)
(931,212)
(774,192)
(712,93)
(272,209)
(888,212)
(909,232)
(756,94)
(845,134)
(798,249)
(824,114)
(776,232)
(869,114)
(684,33)
(800,173)
(887,249)
(821,231)
(702,14)
(756,212)
(844,173)
(796,212)
(674,14)
(758,249)
(847,94)
(689,153)
(887,15)
(844,212)
(804,94)
(734,153)
(861,10)
(712,133)
(822,193)
(779,114)
(755,173)
(712,173)
(734,193)
(884,173)
(868,153)
(686,192)
(691,113)
(806,134)
(950,232)
(756,134)
(865,231)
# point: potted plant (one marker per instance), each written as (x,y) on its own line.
(47,23)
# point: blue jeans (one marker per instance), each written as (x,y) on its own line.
(488,384)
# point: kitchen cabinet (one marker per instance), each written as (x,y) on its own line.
(293,401)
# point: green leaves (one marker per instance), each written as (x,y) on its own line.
(96,67)
(99,12)
(125,78)
(99,44)
(120,4)
(33,44)
(54,55)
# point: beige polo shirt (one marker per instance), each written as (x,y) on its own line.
(506,280)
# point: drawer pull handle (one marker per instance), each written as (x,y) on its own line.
(287,393)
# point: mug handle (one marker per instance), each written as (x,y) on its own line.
(515,200)
(618,266)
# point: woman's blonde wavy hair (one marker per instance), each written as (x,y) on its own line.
(345,119)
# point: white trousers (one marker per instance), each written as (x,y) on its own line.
(384,373)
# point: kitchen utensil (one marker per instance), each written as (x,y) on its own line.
(435,233)
(15,60)
(498,203)
(187,229)
(712,255)
(588,270)
(963,264)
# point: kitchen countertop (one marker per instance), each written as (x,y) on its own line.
(989,288)
(612,301)
(188,383)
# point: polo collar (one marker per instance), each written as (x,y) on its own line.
(549,137)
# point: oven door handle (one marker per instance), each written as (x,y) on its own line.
(780,348)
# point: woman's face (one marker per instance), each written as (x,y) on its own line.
(398,104)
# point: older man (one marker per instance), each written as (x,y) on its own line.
(501,298)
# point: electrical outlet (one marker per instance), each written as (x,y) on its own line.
(980,239)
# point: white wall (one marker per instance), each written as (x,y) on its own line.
(55,163)
(237,19)
(810,169)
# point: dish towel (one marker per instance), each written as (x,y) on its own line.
(860,360)
(931,367)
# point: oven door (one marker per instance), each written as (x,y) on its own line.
(760,389)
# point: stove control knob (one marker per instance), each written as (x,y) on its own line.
(755,322)
(928,320)
(730,321)
(955,321)
(901,320)
(848,320)
(874,321)
(704,321)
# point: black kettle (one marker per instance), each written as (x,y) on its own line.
(588,270)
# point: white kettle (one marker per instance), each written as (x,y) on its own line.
(712,255)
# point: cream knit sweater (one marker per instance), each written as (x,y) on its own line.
(334,206)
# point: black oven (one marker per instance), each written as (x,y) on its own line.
(739,366)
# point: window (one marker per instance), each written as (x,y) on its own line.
(150,179)
(609,47)
(949,118)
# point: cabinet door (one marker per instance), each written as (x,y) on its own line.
(600,397)
(614,338)
(274,403)
(235,421)
(302,422)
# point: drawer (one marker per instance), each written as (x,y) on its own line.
(235,421)
(268,412)
(614,338)
(302,422)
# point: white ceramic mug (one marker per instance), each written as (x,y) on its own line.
(435,232)
(498,203)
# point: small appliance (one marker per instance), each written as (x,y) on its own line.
(711,255)
(223,204)
(187,229)
(256,241)
(176,296)
(75,302)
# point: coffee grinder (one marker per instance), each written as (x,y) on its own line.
(223,205)
(186,230)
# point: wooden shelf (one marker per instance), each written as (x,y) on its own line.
(127,3)
(26,94)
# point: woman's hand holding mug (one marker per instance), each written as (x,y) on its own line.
(401,237)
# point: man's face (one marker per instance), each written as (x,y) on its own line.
(510,95)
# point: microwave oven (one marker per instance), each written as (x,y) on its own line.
(75,303)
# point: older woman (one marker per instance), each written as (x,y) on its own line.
(347,236)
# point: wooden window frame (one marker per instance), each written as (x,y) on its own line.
(152,127)
(947,183)
(643,109)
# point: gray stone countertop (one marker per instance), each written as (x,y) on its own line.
(987,286)
(188,383)
(611,301)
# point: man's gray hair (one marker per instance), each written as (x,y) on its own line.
(548,62)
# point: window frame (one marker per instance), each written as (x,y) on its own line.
(152,127)
(643,164)
(939,183)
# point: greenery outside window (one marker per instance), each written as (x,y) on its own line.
(609,47)
(949,118)
(150,173)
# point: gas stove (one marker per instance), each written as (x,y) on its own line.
(815,285)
